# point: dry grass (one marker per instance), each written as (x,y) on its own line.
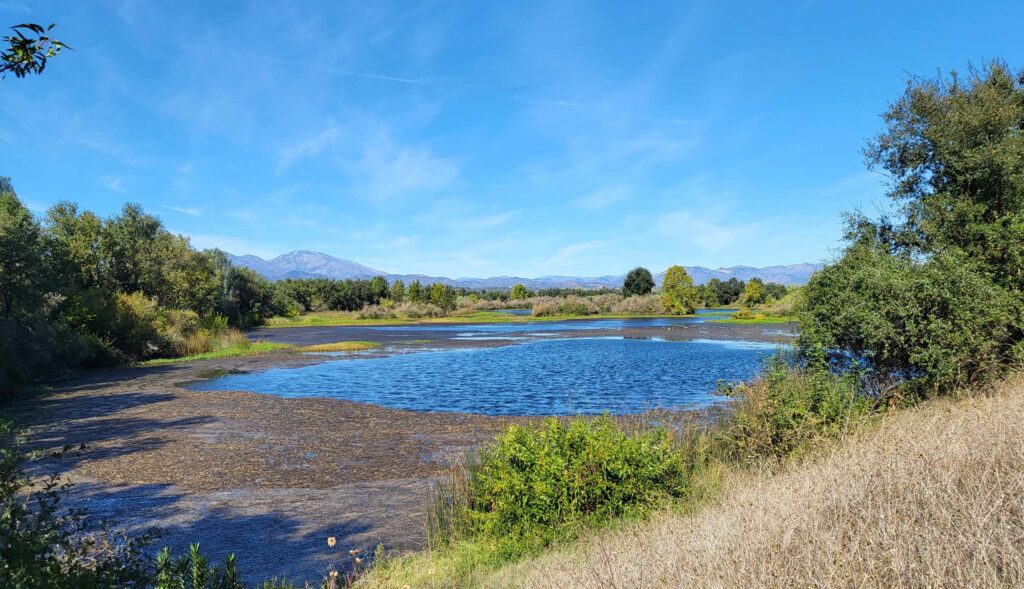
(932,497)
(349,346)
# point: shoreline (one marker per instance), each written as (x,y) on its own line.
(266,477)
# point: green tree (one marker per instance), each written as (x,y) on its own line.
(754,293)
(954,148)
(709,296)
(519,293)
(24,279)
(638,282)
(28,50)
(398,291)
(378,289)
(678,294)
(415,292)
(443,296)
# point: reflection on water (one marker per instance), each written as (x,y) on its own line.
(545,377)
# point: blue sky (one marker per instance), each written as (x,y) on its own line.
(472,138)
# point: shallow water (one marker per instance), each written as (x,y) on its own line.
(539,377)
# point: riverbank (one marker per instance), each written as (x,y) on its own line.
(261,476)
(931,497)
(266,477)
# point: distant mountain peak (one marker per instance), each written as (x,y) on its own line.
(313,264)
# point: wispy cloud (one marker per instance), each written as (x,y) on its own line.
(697,230)
(387,169)
(602,198)
(113,184)
(191,211)
(306,148)
(573,251)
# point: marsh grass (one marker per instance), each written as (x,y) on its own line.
(232,350)
(346,346)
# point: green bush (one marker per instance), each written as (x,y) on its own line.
(930,326)
(535,484)
(570,305)
(789,410)
(43,545)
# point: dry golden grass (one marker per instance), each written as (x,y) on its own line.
(349,346)
(932,497)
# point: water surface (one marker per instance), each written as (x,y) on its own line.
(538,377)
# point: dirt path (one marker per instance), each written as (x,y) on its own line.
(267,478)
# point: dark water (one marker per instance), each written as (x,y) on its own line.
(546,377)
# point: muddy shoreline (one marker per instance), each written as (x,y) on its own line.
(265,477)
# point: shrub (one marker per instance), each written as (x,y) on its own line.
(933,326)
(43,545)
(537,483)
(790,409)
(640,305)
(406,310)
(606,302)
(747,315)
(571,305)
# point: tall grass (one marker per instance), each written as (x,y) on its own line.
(541,485)
(932,497)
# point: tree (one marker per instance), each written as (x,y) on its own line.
(398,291)
(443,296)
(678,294)
(28,50)
(754,293)
(638,282)
(23,275)
(954,148)
(415,292)
(709,296)
(519,293)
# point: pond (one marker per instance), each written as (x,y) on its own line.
(542,377)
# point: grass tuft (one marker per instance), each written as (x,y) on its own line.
(347,346)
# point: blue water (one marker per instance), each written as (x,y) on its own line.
(545,377)
(534,327)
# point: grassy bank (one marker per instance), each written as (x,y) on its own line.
(759,320)
(929,496)
(545,486)
(248,348)
(343,318)
(932,497)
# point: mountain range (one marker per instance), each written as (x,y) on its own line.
(309,264)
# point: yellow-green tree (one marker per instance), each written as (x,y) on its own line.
(519,293)
(678,293)
(754,293)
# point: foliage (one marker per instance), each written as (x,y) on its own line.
(791,409)
(519,293)
(23,275)
(640,305)
(397,291)
(443,296)
(678,293)
(28,50)
(955,150)
(754,293)
(567,306)
(535,484)
(638,282)
(937,324)
(43,545)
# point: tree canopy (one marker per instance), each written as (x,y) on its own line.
(638,282)
(678,293)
